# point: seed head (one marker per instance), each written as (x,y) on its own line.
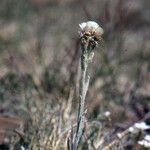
(90,32)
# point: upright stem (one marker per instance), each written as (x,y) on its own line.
(90,35)
(84,83)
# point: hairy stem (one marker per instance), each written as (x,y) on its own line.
(84,84)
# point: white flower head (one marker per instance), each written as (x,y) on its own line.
(107,113)
(147,137)
(142,126)
(132,130)
(90,27)
(90,31)
(89,24)
(145,142)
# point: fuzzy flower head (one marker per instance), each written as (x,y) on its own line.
(142,126)
(90,32)
(145,142)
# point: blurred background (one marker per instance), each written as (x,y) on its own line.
(40,52)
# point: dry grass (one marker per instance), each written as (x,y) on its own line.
(39,75)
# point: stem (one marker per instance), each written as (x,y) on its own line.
(84,84)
